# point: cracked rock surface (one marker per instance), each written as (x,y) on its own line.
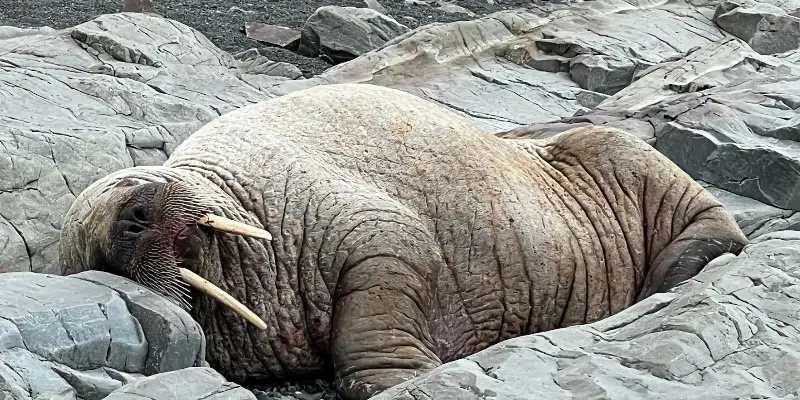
(731,332)
(340,34)
(188,384)
(86,335)
(114,92)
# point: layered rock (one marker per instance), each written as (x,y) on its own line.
(339,34)
(187,384)
(724,113)
(117,91)
(86,335)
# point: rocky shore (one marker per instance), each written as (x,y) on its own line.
(713,85)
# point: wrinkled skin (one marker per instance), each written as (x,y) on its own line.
(404,237)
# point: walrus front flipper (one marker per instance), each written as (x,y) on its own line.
(711,234)
(380,335)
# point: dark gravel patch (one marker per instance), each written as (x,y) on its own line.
(301,390)
(223,21)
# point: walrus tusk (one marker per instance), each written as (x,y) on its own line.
(231,226)
(212,290)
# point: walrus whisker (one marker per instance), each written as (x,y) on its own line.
(148,280)
(228,225)
(212,290)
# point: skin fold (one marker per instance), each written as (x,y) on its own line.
(403,235)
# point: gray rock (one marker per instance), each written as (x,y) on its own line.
(766,27)
(731,332)
(755,218)
(185,384)
(600,73)
(70,338)
(117,91)
(724,113)
(377,6)
(339,34)
(739,133)
(272,34)
(512,68)
(8,32)
(253,64)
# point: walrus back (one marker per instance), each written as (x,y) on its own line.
(369,135)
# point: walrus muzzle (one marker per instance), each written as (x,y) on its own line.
(226,225)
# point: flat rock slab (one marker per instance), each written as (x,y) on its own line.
(83,336)
(731,332)
(724,113)
(272,34)
(186,384)
(118,91)
(338,34)
(753,217)
(515,68)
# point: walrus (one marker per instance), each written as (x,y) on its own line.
(365,232)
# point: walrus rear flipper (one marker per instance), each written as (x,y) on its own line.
(709,235)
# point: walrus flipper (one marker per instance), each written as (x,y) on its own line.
(379,336)
(711,234)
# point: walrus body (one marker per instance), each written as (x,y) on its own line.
(403,235)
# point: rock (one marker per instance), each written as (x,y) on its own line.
(724,113)
(377,6)
(125,89)
(340,34)
(253,64)
(8,32)
(487,68)
(766,27)
(72,338)
(117,91)
(755,218)
(175,339)
(185,384)
(275,35)
(728,333)
(598,73)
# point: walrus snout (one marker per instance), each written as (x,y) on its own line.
(155,233)
(187,250)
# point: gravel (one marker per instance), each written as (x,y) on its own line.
(223,21)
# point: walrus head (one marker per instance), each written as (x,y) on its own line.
(153,233)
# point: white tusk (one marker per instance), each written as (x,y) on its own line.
(228,225)
(212,290)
